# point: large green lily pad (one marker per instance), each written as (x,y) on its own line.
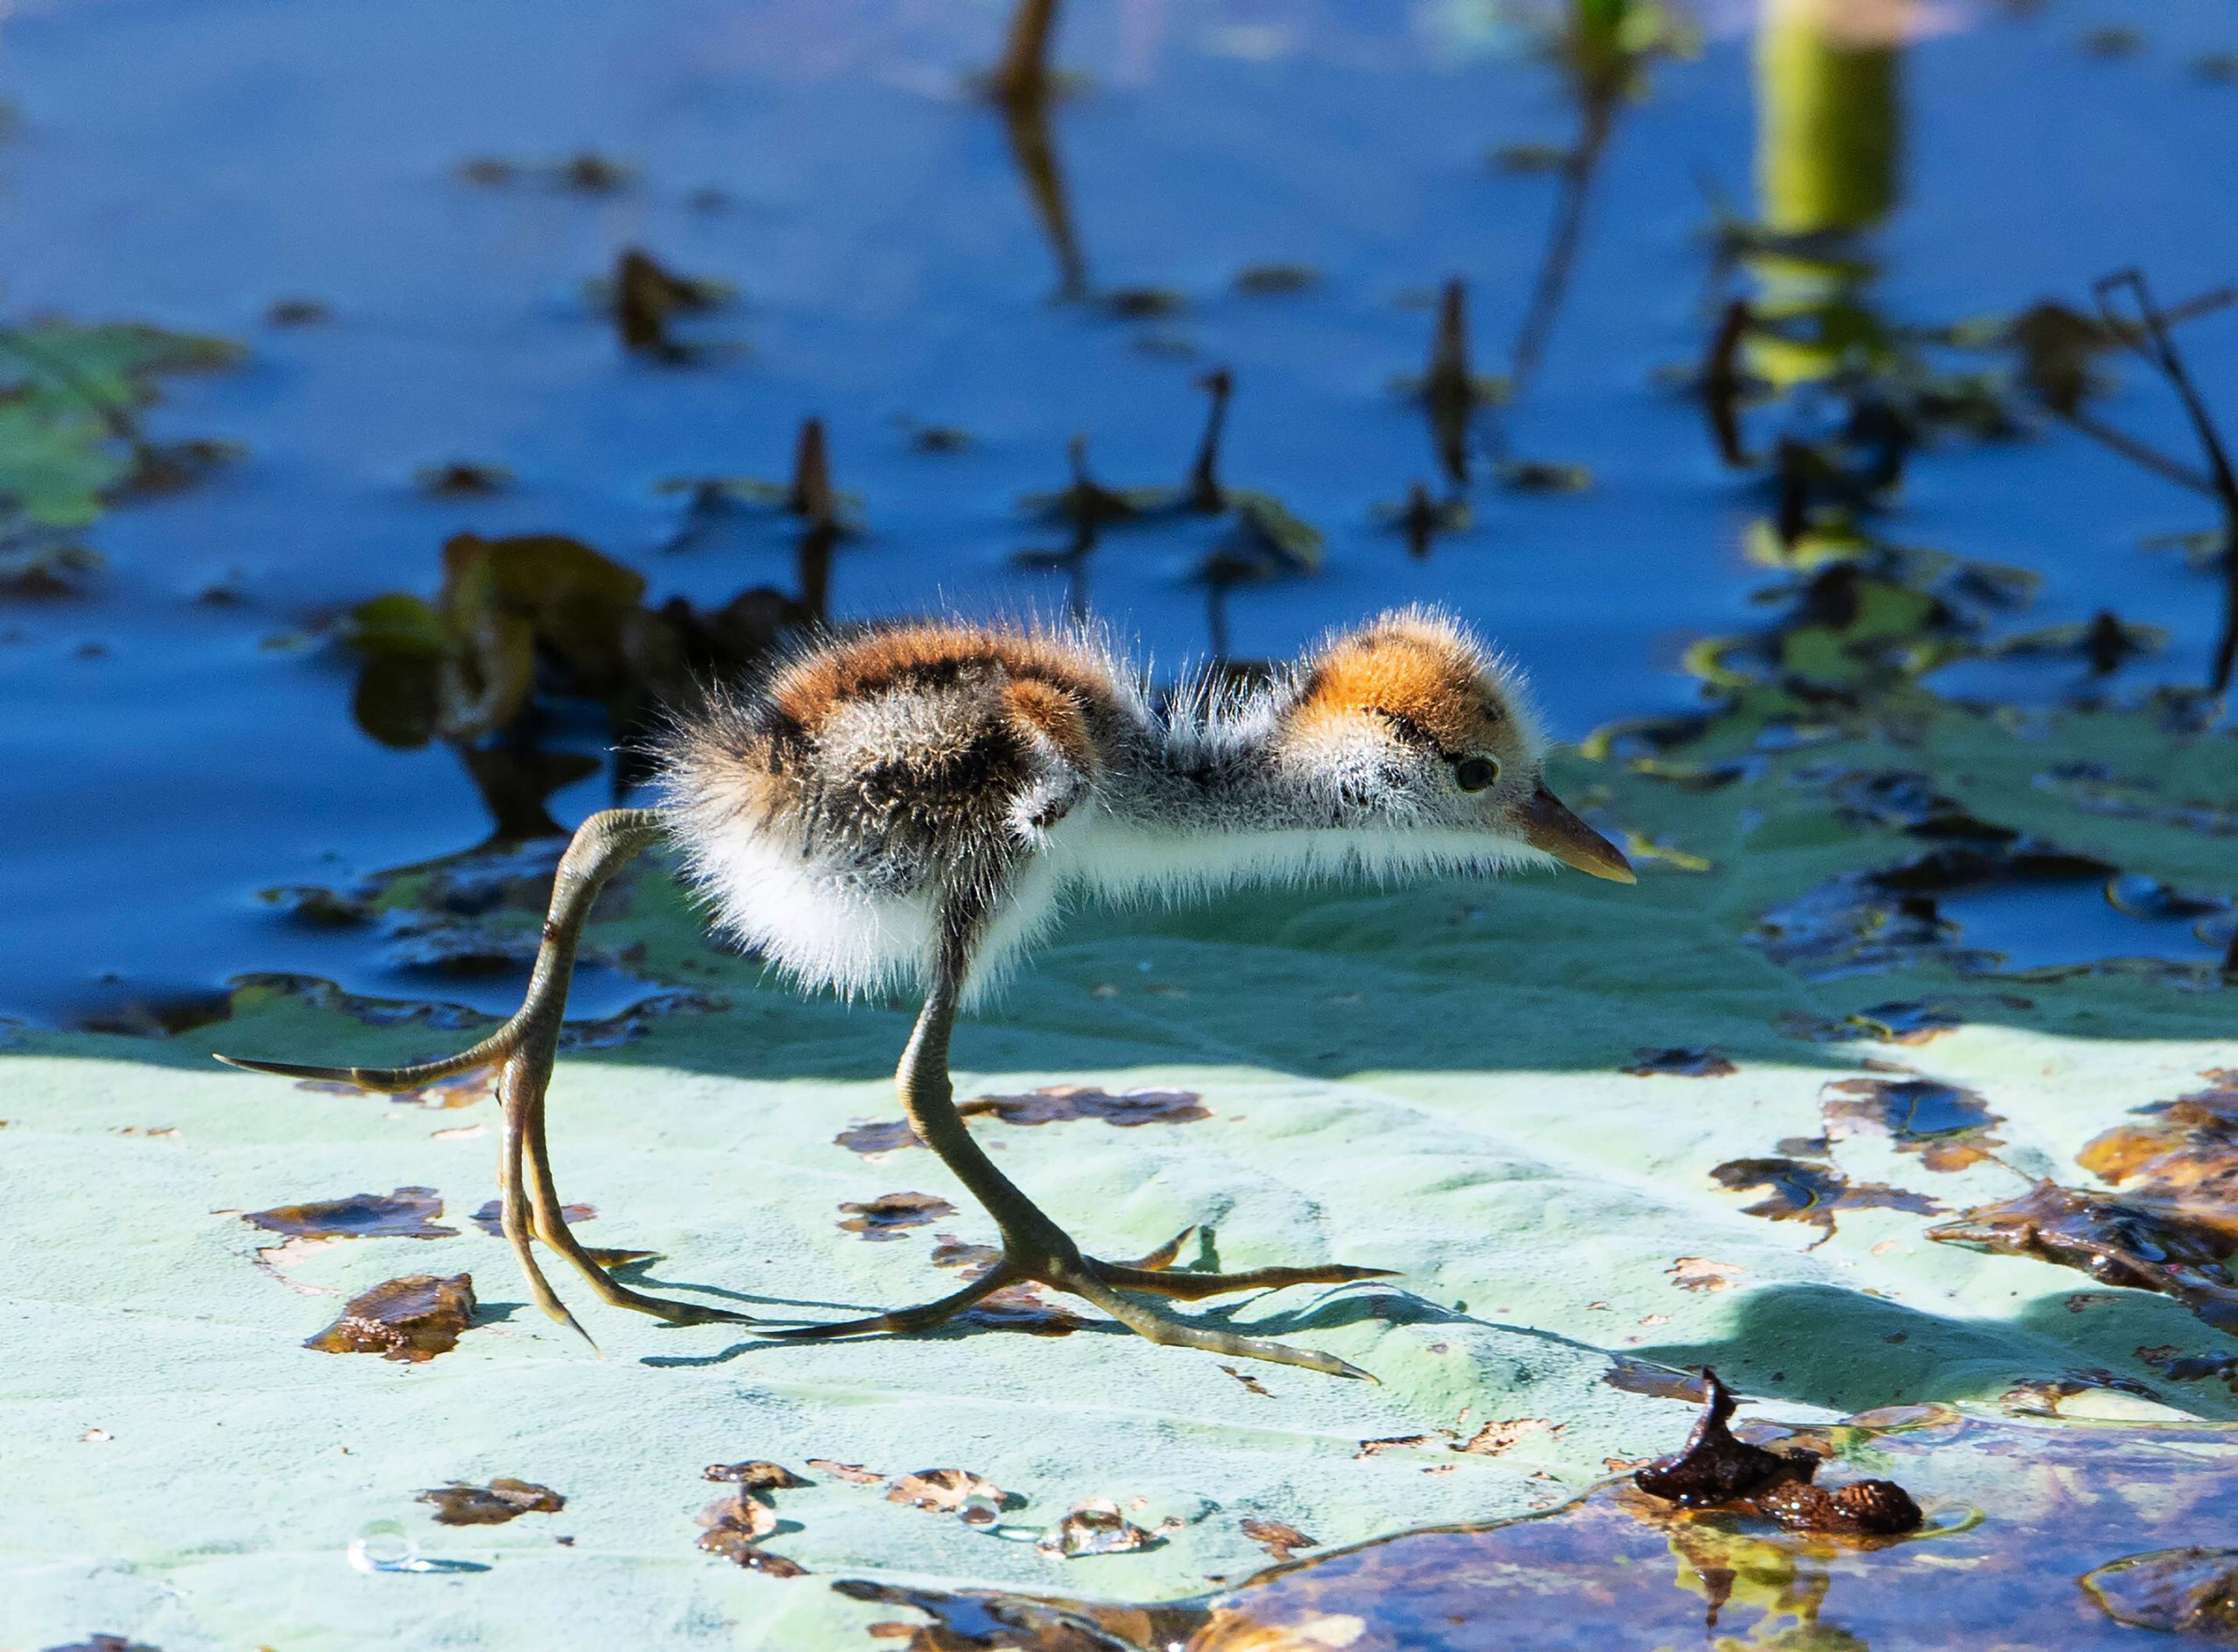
(1431,1080)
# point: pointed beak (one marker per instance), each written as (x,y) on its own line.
(1549,825)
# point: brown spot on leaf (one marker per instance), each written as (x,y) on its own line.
(1699,1273)
(1797,1191)
(502,1499)
(756,1475)
(2177,1367)
(976,1499)
(880,1135)
(1496,1437)
(1946,1127)
(1681,1062)
(853,1473)
(1659,1382)
(1277,1539)
(1398,1442)
(407,1213)
(411,1319)
(1062,1103)
(884,1217)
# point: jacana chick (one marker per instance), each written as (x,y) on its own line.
(911,807)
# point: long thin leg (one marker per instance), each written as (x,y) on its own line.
(513,1207)
(1034,1247)
(527,1046)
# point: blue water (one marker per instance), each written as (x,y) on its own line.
(189,162)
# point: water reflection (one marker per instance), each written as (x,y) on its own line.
(1022,88)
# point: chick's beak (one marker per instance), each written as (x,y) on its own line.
(1549,825)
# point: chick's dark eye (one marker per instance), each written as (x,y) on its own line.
(1474,774)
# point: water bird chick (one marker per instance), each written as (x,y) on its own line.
(910,806)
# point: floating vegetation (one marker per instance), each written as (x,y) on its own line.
(586,172)
(71,436)
(1527,475)
(645,299)
(462,479)
(411,1319)
(521,626)
(1423,519)
(1274,280)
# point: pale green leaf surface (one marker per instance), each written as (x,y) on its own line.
(1426,1080)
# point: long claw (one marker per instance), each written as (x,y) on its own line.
(1173,1333)
(513,1214)
(1195,1287)
(1163,1257)
(905,1321)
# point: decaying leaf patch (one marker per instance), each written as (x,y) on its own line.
(409,1212)
(886,1215)
(460,1504)
(411,1319)
(1064,1103)
(972,1498)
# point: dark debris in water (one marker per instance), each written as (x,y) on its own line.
(886,1215)
(409,1212)
(1715,1467)
(462,479)
(1064,1103)
(460,1504)
(411,1319)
